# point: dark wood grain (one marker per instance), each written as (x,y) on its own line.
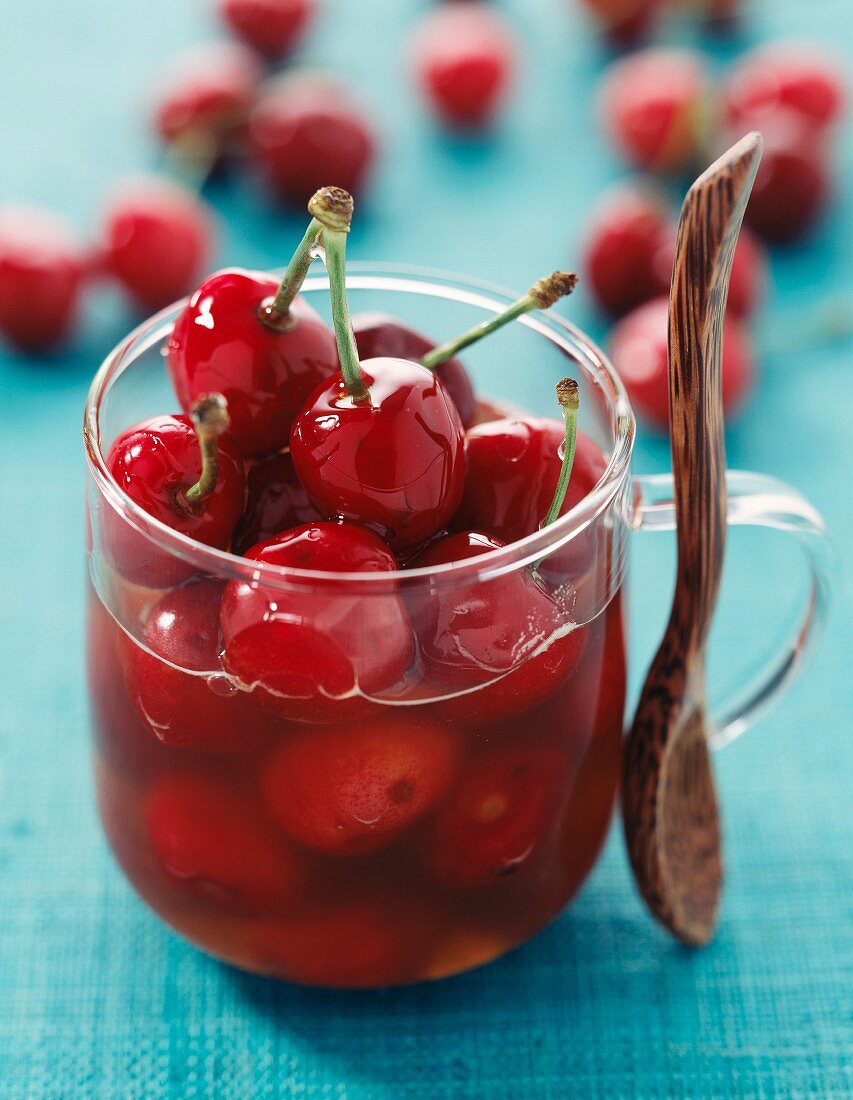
(669,803)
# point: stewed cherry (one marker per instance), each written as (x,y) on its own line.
(259,343)
(308,652)
(179,470)
(156,239)
(275,502)
(273,28)
(42,271)
(464,59)
(352,789)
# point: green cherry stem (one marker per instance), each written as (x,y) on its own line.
(541,295)
(333,207)
(569,398)
(210,419)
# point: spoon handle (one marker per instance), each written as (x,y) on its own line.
(707,234)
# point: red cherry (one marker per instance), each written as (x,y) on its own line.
(314,654)
(273,28)
(276,501)
(41,273)
(159,464)
(628,231)
(792,187)
(353,789)
(393,462)
(512,469)
(156,239)
(211,840)
(750,271)
(464,59)
(652,105)
(380,336)
(638,348)
(500,815)
(507,636)
(624,21)
(206,96)
(788,76)
(220,342)
(304,132)
(177,682)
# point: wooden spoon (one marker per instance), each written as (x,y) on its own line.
(669,805)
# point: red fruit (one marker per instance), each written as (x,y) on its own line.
(309,652)
(304,132)
(621,265)
(792,187)
(624,21)
(652,104)
(507,636)
(206,96)
(275,502)
(272,27)
(512,468)
(211,840)
(220,342)
(177,682)
(380,336)
(352,789)
(638,348)
(787,76)
(499,816)
(155,463)
(464,59)
(393,462)
(748,278)
(157,239)
(41,273)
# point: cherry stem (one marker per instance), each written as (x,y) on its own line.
(569,398)
(210,419)
(541,295)
(333,207)
(276,314)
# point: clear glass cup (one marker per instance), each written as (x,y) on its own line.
(227,804)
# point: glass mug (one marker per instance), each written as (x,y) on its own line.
(243,815)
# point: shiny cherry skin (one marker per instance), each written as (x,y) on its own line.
(506,637)
(154,462)
(793,184)
(346,790)
(176,679)
(652,108)
(394,463)
(379,335)
(464,59)
(638,348)
(156,239)
(206,96)
(624,21)
(304,132)
(629,229)
(749,277)
(220,343)
(786,76)
(275,502)
(316,656)
(512,468)
(210,840)
(499,816)
(273,28)
(41,276)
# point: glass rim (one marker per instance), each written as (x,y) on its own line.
(395,278)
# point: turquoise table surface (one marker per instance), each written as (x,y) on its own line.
(97,997)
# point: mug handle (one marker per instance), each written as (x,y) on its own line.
(756,500)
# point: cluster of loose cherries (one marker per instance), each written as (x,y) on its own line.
(658,108)
(348,450)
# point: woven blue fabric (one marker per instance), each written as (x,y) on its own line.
(97,998)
